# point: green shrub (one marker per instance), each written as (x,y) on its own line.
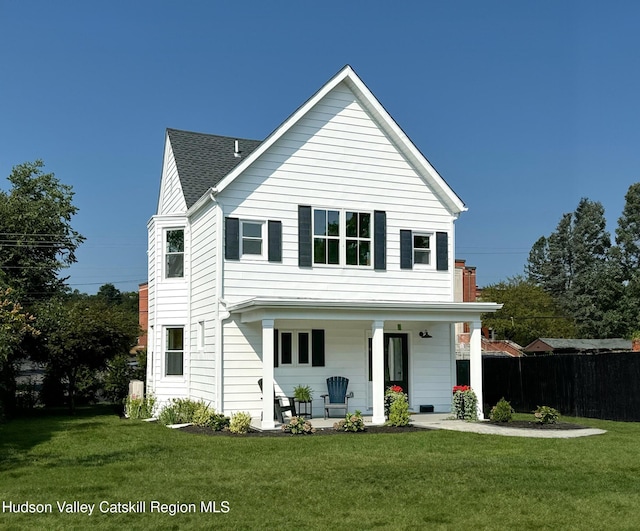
(240,422)
(206,417)
(299,426)
(351,422)
(219,422)
(399,411)
(546,415)
(139,407)
(178,411)
(502,411)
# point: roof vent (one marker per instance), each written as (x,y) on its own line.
(236,149)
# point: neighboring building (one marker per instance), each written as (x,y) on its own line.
(577,346)
(326,249)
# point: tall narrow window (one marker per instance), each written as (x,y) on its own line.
(358,232)
(174,254)
(326,236)
(174,353)
(252,238)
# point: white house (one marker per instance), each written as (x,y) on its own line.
(326,249)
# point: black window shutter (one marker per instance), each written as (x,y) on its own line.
(380,239)
(317,348)
(304,236)
(442,251)
(275,241)
(276,346)
(406,249)
(232,238)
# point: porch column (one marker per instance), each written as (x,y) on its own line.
(267,374)
(377,365)
(475,349)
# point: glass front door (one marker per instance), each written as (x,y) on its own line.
(396,361)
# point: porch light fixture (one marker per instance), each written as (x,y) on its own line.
(424,334)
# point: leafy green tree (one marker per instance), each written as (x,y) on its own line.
(79,337)
(528,312)
(36,238)
(628,241)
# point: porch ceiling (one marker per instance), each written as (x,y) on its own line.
(259,308)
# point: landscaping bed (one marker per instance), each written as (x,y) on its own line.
(319,431)
(531,425)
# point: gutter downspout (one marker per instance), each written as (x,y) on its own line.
(221,312)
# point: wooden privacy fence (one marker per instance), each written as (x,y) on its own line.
(604,386)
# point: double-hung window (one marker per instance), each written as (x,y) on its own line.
(422,248)
(174,351)
(326,236)
(174,253)
(342,237)
(252,238)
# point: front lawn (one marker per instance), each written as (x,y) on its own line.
(424,480)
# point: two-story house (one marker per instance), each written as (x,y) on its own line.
(325,249)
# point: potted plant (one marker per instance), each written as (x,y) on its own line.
(303,393)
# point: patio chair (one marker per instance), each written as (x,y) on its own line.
(337,397)
(278,407)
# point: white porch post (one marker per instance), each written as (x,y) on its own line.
(377,362)
(267,374)
(475,349)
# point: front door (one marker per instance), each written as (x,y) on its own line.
(396,361)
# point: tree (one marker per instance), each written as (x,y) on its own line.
(15,324)
(528,312)
(628,241)
(573,265)
(81,335)
(36,237)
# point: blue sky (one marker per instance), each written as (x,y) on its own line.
(523,107)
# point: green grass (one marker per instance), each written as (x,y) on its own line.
(430,480)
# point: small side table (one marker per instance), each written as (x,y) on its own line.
(304,409)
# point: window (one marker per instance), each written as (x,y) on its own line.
(295,348)
(174,353)
(342,237)
(252,238)
(174,253)
(326,236)
(422,249)
(358,232)
(200,335)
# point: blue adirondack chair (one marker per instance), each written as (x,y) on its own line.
(337,397)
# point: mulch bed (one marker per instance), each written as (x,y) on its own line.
(525,424)
(319,431)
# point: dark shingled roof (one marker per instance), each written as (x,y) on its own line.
(204,160)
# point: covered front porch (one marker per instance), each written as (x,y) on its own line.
(358,337)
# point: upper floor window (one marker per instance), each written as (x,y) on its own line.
(174,253)
(422,248)
(252,238)
(341,237)
(358,243)
(326,236)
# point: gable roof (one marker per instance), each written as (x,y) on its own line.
(203,160)
(385,122)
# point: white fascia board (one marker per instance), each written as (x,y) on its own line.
(256,309)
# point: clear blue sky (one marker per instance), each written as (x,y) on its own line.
(523,107)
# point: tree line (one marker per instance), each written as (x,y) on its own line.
(577,282)
(82,341)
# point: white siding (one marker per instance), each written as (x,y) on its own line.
(346,354)
(337,157)
(203,260)
(171,197)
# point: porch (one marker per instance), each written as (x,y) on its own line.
(357,345)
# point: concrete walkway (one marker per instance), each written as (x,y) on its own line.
(441,421)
